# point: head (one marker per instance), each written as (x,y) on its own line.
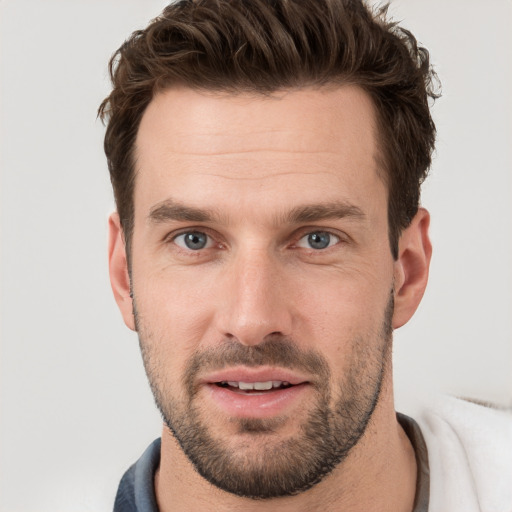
(262,47)
(266,159)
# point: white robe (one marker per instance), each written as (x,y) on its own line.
(470,456)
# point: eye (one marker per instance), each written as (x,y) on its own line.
(318,240)
(193,240)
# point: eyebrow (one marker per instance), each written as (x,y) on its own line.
(323,211)
(170,210)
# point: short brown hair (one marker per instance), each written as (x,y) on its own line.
(261,46)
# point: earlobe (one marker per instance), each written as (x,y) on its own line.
(118,269)
(411,268)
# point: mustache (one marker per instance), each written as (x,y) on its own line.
(275,350)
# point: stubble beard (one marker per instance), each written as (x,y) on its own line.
(283,467)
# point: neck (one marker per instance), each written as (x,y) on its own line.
(379,474)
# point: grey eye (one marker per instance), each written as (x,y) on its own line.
(318,240)
(194,240)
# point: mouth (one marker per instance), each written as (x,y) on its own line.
(261,387)
(256,393)
(260,379)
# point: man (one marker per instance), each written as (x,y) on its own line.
(266,159)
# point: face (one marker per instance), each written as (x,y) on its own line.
(262,280)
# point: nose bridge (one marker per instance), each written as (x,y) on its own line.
(256,303)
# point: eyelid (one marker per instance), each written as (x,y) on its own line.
(170,236)
(214,239)
(308,230)
(209,240)
(337,239)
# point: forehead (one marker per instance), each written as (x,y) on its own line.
(309,143)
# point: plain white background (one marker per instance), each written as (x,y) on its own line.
(76,410)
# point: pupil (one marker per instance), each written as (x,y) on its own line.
(319,240)
(195,240)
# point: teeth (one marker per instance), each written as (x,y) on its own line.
(255,385)
(259,386)
(263,385)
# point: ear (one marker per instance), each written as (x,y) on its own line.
(411,268)
(118,269)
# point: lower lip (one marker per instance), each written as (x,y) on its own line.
(256,405)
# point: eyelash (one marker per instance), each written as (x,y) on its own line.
(319,231)
(190,232)
(303,233)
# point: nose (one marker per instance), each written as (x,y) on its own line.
(254,302)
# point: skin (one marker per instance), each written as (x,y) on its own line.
(252,160)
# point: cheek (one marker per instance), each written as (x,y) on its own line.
(343,312)
(349,292)
(173,311)
(330,306)
(174,297)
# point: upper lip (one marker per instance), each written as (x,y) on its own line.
(260,374)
